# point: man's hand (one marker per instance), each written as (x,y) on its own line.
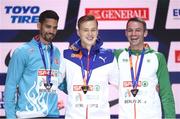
(158,88)
(60,104)
(72,47)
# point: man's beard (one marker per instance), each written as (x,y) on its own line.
(48,37)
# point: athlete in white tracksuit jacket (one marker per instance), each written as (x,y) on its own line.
(141,70)
(99,66)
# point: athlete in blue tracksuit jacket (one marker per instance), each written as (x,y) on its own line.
(32,77)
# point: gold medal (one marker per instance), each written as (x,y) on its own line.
(85,89)
(134,92)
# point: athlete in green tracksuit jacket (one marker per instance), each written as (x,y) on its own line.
(141,69)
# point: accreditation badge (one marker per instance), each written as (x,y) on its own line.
(42,84)
(86,95)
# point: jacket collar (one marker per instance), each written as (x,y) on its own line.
(148,49)
(36,40)
(94,49)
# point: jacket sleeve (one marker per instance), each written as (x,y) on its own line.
(62,69)
(166,94)
(14,74)
(114,73)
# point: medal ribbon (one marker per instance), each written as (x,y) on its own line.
(135,79)
(48,77)
(89,70)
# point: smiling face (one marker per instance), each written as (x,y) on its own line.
(135,34)
(48,30)
(88,32)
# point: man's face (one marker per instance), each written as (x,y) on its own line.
(48,29)
(135,34)
(88,32)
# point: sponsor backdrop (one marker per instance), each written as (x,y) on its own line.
(18,20)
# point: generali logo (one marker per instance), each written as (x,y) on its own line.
(118,13)
(177,56)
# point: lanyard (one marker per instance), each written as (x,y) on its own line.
(89,70)
(135,79)
(48,78)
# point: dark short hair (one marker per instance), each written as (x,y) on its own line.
(86,18)
(48,14)
(137,19)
